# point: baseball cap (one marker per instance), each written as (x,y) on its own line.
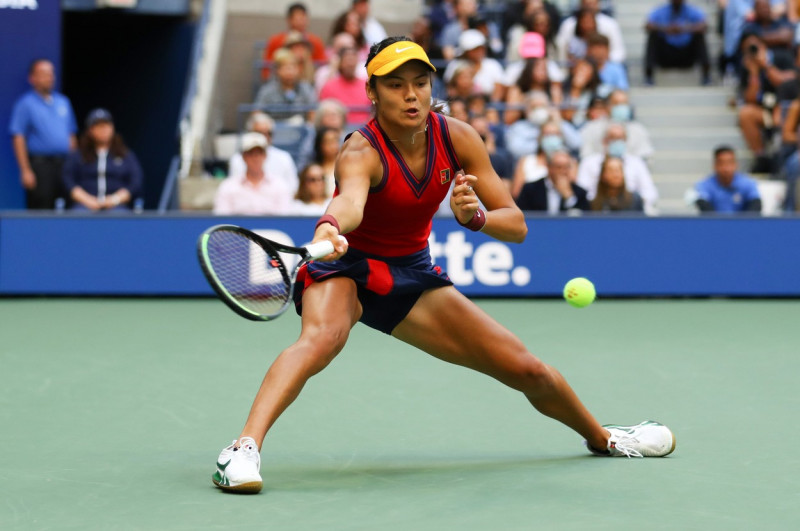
(253,140)
(396,55)
(531,45)
(98,115)
(469,40)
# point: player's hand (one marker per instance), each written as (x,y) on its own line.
(463,201)
(326,231)
(28,179)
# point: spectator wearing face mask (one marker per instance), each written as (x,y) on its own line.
(617,109)
(533,166)
(637,175)
(555,193)
(522,136)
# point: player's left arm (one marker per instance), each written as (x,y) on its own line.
(504,220)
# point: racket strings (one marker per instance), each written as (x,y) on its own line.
(251,276)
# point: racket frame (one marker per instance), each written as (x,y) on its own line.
(272,249)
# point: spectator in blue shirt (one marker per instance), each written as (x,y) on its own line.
(103,174)
(676,39)
(612,74)
(43,130)
(777,33)
(736,15)
(727,190)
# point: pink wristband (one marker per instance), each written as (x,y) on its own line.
(327,218)
(476,223)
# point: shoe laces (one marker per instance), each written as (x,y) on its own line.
(625,445)
(247,445)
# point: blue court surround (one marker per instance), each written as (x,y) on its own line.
(65,254)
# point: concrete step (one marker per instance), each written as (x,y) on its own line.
(668,78)
(675,207)
(693,162)
(695,138)
(711,116)
(680,97)
(674,191)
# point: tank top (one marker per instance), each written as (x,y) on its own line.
(399,210)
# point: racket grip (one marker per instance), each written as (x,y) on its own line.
(323,248)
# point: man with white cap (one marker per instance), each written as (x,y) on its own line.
(489,73)
(253,192)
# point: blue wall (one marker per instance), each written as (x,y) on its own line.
(155,255)
(25,34)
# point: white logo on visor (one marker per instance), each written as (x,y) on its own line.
(401,50)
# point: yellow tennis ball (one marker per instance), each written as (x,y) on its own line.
(579,292)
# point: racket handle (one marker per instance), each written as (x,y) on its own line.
(323,248)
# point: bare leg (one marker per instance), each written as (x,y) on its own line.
(330,309)
(449,326)
(751,121)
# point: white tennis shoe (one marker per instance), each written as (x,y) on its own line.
(238,468)
(648,439)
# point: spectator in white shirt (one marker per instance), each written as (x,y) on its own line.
(278,164)
(637,175)
(605,26)
(373,30)
(616,109)
(253,192)
(489,73)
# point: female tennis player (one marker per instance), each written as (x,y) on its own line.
(392,174)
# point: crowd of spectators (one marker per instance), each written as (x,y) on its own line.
(533,81)
(538,81)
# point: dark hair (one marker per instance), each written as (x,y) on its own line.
(594,82)
(32,64)
(318,139)
(597,39)
(302,190)
(297,6)
(338,27)
(719,150)
(578,29)
(88,148)
(603,200)
(525,80)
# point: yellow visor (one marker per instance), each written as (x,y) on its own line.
(394,55)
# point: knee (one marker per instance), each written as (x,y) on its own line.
(535,376)
(749,114)
(318,346)
(529,374)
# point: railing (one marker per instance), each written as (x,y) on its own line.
(168,200)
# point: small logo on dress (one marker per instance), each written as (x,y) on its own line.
(445,175)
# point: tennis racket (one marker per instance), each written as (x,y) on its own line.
(248,271)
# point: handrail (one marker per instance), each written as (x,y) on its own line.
(183,127)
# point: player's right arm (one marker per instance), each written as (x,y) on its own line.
(357,168)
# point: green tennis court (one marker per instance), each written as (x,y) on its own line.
(112,412)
